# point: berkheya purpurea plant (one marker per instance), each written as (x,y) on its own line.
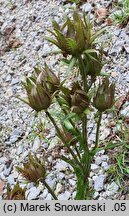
(77,43)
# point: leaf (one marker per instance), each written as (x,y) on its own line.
(88,51)
(71,64)
(98,33)
(51,40)
(23,100)
(71,45)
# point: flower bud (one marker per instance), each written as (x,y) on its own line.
(104,97)
(68,137)
(17,193)
(48,78)
(33,170)
(38,96)
(79,99)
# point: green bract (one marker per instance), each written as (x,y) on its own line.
(38,95)
(17,193)
(47,78)
(33,170)
(104,97)
(74,36)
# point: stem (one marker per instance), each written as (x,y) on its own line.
(84,121)
(97,131)
(49,189)
(62,138)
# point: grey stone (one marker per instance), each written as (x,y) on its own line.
(98,160)
(72,182)
(112,189)
(99,182)
(105,166)
(36,144)
(33,193)
(64,196)
(11,180)
(86,7)
(51,182)
(59,188)
(7,171)
(94,167)
(49,197)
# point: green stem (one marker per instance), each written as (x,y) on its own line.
(49,189)
(83,72)
(97,131)
(84,121)
(62,138)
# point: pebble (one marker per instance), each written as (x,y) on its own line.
(36,144)
(64,196)
(98,160)
(32,193)
(94,167)
(99,182)
(105,166)
(112,189)
(59,188)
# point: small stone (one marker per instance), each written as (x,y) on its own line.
(72,182)
(94,167)
(112,189)
(49,197)
(104,158)
(96,195)
(61,166)
(51,182)
(11,180)
(98,160)
(44,194)
(59,188)
(125,112)
(87,7)
(33,193)
(36,144)
(20,149)
(105,166)
(64,196)
(99,182)
(7,171)
(113,74)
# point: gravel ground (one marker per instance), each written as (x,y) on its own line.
(22,27)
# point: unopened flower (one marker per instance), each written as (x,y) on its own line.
(74,36)
(33,170)
(39,97)
(48,78)
(79,99)
(104,97)
(17,193)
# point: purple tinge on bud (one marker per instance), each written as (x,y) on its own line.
(79,99)
(104,97)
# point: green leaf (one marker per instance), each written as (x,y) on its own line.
(71,64)
(51,40)
(98,33)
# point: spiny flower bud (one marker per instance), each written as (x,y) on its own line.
(33,170)
(79,99)
(38,96)
(17,193)
(48,78)
(104,97)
